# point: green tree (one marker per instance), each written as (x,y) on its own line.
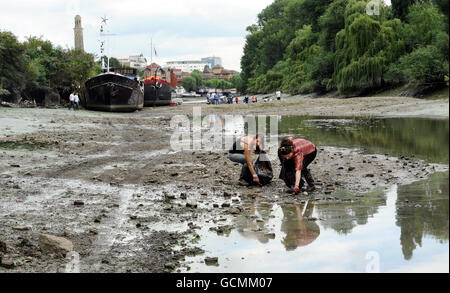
(424,66)
(36,67)
(400,8)
(15,67)
(113,62)
(365,47)
(81,67)
(225,84)
(425,22)
(237,82)
(331,22)
(212,83)
(197,75)
(189,83)
(304,46)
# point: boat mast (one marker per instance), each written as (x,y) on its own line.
(103,41)
(103,35)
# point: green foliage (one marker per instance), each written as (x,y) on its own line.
(15,67)
(304,46)
(400,8)
(193,82)
(113,62)
(426,60)
(331,22)
(189,83)
(237,82)
(219,84)
(197,75)
(425,21)
(80,67)
(422,67)
(37,64)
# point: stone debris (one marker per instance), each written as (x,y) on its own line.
(54,244)
(212,261)
(21,228)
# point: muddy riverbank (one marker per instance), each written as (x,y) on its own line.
(329,106)
(112,185)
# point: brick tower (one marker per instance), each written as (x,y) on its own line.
(79,43)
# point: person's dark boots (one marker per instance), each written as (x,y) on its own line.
(244,171)
(309,178)
(302,183)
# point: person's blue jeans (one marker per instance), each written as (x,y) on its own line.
(237,158)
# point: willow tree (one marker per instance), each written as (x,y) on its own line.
(364,48)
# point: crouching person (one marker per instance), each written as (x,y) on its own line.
(295,156)
(242,153)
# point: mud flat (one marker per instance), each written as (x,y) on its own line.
(111,185)
(331,106)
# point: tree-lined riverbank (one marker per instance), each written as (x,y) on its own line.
(355,47)
(38,71)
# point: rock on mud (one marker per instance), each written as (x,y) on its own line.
(6,262)
(191,205)
(270,235)
(78,203)
(21,228)
(54,244)
(170,266)
(212,261)
(3,247)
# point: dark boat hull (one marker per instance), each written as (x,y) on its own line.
(114,93)
(157,95)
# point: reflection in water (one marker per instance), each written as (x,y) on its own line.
(343,217)
(407,225)
(422,209)
(252,226)
(424,138)
(407,237)
(299,230)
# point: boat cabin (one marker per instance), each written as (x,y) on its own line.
(128,72)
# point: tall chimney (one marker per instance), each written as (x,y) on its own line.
(79,43)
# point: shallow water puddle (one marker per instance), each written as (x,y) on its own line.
(399,229)
(426,139)
(392,232)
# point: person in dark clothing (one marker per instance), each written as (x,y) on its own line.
(295,156)
(241,153)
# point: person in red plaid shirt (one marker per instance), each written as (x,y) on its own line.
(295,156)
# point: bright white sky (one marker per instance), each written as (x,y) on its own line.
(181,29)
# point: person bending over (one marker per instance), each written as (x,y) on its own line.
(242,153)
(295,156)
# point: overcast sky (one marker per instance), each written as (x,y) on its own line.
(181,29)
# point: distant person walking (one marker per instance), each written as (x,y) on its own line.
(216,98)
(237,100)
(254,99)
(76,101)
(278,93)
(208,97)
(72,101)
